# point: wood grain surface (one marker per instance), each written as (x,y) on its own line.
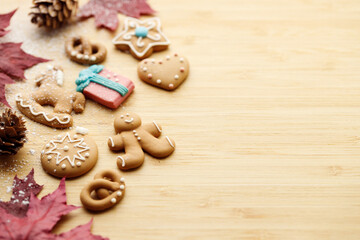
(267,125)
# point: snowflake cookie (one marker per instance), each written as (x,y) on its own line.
(141,38)
(69,155)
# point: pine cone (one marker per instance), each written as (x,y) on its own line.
(12,133)
(52,13)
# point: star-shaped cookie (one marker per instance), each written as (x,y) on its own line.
(141,38)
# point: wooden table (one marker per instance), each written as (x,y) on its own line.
(267,125)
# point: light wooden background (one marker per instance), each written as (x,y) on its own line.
(267,125)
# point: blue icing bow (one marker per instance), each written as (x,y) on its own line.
(90,74)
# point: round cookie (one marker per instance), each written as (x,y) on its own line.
(69,155)
(166,73)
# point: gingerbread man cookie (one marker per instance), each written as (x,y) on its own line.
(109,189)
(82,51)
(141,38)
(166,73)
(50,93)
(134,139)
(69,155)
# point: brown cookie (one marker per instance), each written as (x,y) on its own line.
(166,73)
(109,189)
(134,138)
(141,37)
(51,93)
(81,50)
(69,155)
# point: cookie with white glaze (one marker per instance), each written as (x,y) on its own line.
(167,73)
(69,155)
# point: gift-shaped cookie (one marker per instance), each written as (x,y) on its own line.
(104,86)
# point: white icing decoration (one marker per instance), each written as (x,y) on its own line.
(59,77)
(82,130)
(122,161)
(78,164)
(129,120)
(122,187)
(138,138)
(87,155)
(113,200)
(112,142)
(152,23)
(171,144)
(168,57)
(47,145)
(75,136)
(171,85)
(73,53)
(79,56)
(49,157)
(176,77)
(122,179)
(93,58)
(63,166)
(139,43)
(158,81)
(86,57)
(78,155)
(66,148)
(181,60)
(144,69)
(157,127)
(119,194)
(21,102)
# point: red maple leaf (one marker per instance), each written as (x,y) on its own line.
(105,11)
(13,60)
(41,218)
(5,21)
(22,189)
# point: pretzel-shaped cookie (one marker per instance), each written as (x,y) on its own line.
(110,175)
(110,192)
(80,50)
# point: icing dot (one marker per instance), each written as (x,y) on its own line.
(42,152)
(92,58)
(59,137)
(175,54)
(86,57)
(73,53)
(138,138)
(158,81)
(79,56)
(149,75)
(134,131)
(75,136)
(84,143)
(78,164)
(153,60)
(113,200)
(47,145)
(122,187)
(181,60)
(119,194)
(66,148)
(49,157)
(176,77)
(136,134)
(141,31)
(108,76)
(127,114)
(122,116)
(122,179)
(144,69)
(63,166)
(182,69)
(171,85)
(87,155)
(168,58)
(54,170)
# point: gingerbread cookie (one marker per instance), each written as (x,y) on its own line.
(104,86)
(166,73)
(69,155)
(50,93)
(109,189)
(134,139)
(81,50)
(141,38)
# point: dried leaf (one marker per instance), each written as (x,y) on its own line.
(5,22)
(22,189)
(41,218)
(105,11)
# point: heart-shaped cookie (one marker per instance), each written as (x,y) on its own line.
(166,73)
